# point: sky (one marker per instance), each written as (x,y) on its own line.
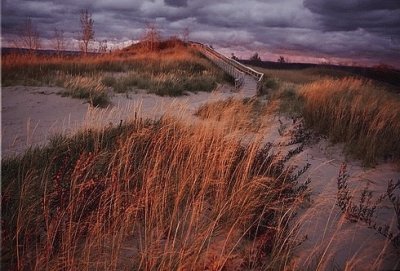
(365,32)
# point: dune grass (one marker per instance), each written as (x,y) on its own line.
(88,88)
(356,112)
(303,76)
(171,71)
(147,195)
(237,114)
(268,84)
(163,84)
(363,114)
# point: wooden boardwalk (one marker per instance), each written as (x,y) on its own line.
(247,80)
(249,87)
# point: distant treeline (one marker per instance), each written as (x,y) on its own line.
(381,73)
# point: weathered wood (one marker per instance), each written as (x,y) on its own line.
(232,67)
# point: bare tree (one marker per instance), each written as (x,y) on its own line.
(87,33)
(59,41)
(255,57)
(30,36)
(282,59)
(151,37)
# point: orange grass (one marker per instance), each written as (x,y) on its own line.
(303,76)
(147,196)
(170,55)
(356,112)
(181,62)
(237,114)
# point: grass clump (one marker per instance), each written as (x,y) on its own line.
(88,88)
(268,84)
(153,196)
(109,81)
(176,86)
(164,84)
(290,103)
(236,114)
(356,112)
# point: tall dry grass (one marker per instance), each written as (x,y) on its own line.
(356,112)
(195,73)
(147,196)
(236,114)
(303,76)
(116,61)
(89,88)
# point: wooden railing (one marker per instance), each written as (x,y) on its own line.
(234,68)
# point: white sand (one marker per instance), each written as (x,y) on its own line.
(31,115)
(332,240)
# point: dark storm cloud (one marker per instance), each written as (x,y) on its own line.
(176,3)
(357,29)
(381,16)
(44,14)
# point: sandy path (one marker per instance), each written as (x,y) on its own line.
(31,115)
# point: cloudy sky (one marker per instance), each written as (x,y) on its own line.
(362,31)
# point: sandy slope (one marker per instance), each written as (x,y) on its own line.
(30,115)
(331,239)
